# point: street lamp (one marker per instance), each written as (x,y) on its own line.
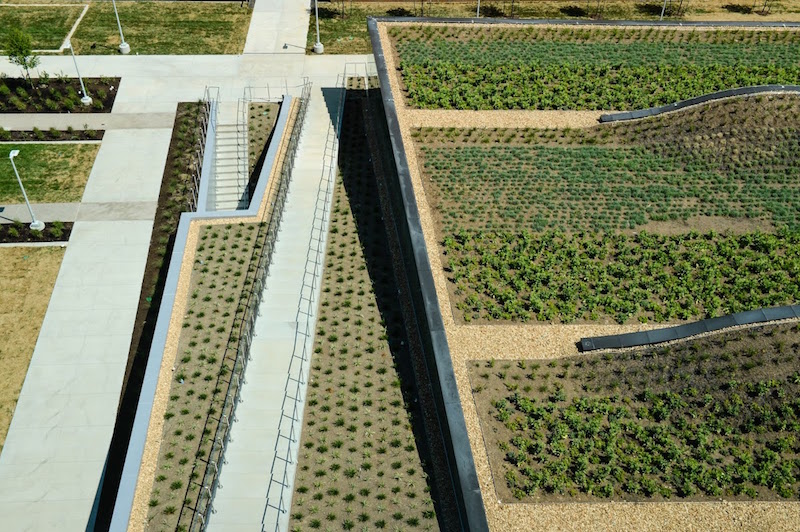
(36,225)
(124,48)
(318,47)
(85,99)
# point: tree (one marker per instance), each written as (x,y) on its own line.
(20,52)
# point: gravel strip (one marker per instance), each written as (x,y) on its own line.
(502,119)
(547,341)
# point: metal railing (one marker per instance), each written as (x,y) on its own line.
(238,348)
(284,462)
(208,110)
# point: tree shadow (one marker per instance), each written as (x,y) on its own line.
(399,12)
(738,8)
(653,10)
(328,13)
(574,11)
(359,158)
(491,11)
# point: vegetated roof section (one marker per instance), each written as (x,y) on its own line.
(679,332)
(537,67)
(420,276)
(741,91)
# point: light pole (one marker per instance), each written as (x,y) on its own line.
(35,224)
(124,48)
(318,47)
(478,10)
(85,99)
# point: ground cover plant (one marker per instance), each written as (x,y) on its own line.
(164,28)
(51,134)
(534,67)
(47,25)
(260,124)
(690,214)
(707,418)
(51,173)
(56,94)
(342,28)
(222,275)
(17,231)
(360,465)
(27,276)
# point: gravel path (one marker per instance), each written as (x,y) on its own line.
(469,342)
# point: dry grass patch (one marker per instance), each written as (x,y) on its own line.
(27,276)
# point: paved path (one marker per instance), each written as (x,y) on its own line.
(51,465)
(276,24)
(241,499)
(56,446)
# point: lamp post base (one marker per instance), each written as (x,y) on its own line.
(86,100)
(124,48)
(318,48)
(37,225)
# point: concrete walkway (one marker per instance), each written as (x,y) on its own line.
(53,458)
(241,501)
(57,443)
(276,24)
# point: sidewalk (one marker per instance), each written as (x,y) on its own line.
(56,446)
(276,23)
(240,500)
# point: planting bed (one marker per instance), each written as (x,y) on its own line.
(362,462)
(684,215)
(56,94)
(593,223)
(221,273)
(549,67)
(51,173)
(21,232)
(703,419)
(260,124)
(50,135)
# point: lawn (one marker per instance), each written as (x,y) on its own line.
(674,217)
(164,28)
(51,173)
(343,29)
(48,26)
(700,420)
(533,67)
(27,276)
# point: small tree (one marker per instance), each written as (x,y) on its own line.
(20,52)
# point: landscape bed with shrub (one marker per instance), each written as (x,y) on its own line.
(535,67)
(689,214)
(709,418)
(36,134)
(222,275)
(56,94)
(17,232)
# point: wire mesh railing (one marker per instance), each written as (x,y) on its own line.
(200,493)
(278,497)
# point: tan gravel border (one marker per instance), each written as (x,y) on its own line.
(469,342)
(147,469)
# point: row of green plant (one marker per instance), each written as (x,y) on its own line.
(17,231)
(459,34)
(360,465)
(59,94)
(603,188)
(557,277)
(53,133)
(222,272)
(708,418)
(461,85)
(578,68)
